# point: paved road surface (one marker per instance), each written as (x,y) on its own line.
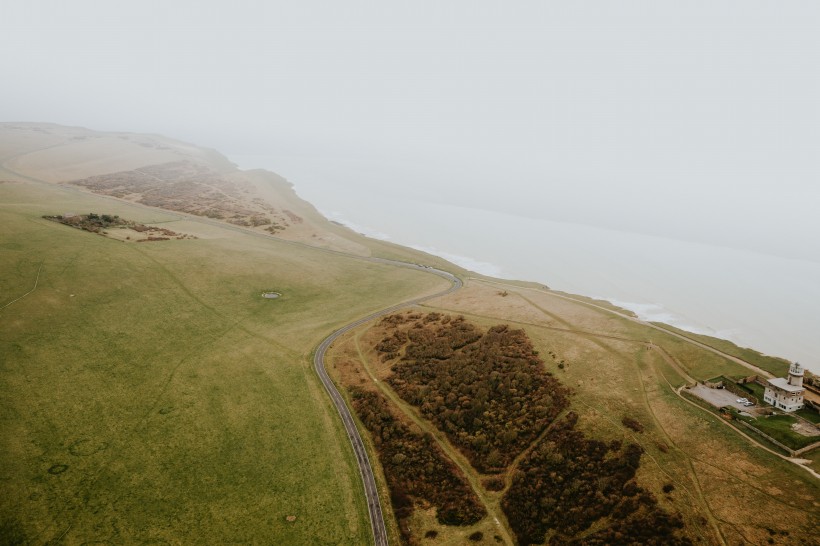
(370,490)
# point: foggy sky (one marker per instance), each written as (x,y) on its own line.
(694,120)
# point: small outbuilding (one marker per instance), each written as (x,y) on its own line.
(786,393)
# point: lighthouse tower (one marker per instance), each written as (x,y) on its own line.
(796,375)
(786,393)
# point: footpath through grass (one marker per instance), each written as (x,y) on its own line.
(148,393)
(775,365)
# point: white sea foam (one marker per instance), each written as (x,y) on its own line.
(484,268)
(651,312)
(756,300)
(336,216)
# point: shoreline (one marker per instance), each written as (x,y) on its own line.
(647,312)
(705,290)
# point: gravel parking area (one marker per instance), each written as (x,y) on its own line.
(719,397)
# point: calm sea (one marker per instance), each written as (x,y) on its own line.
(757,300)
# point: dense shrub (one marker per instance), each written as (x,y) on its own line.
(492,396)
(569,483)
(415,468)
(631,423)
(489,392)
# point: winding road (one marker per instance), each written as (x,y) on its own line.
(370,488)
(371,492)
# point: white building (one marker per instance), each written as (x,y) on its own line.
(786,393)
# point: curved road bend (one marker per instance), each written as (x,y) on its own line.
(371,492)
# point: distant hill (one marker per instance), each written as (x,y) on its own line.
(151,393)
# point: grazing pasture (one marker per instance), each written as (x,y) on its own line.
(148,393)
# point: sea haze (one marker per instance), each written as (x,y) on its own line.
(756,299)
(663,154)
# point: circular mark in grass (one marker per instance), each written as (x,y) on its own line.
(58,468)
(271,295)
(85,447)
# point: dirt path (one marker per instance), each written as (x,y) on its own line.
(667,357)
(360,454)
(697,495)
(508,475)
(631,318)
(693,475)
(473,478)
(36,280)
(371,490)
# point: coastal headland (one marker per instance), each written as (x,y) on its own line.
(150,395)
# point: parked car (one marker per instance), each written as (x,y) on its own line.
(747,403)
(742,400)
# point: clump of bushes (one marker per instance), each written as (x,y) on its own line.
(632,424)
(415,468)
(488,391)
(92,222)
(570,474)
(389,346)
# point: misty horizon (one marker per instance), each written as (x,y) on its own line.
(695,122)
(410,272)
(692,124)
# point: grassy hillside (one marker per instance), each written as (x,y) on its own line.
(624,378)
(778,367)
(149,393)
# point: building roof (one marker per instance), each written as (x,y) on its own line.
(783,384)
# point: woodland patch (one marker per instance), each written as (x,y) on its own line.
(570,483)
(416,470)
(488,391)
(491,394)
(102,223)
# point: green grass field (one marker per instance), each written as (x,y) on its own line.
(809,414)
(757,390)
(779,367)
(149,393)
(779,428)
(726,486)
